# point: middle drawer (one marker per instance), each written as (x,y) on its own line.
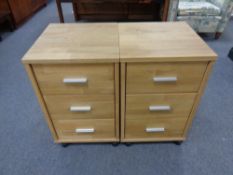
(159,105)
(80,106)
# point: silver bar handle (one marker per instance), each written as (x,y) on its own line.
(164,79)
(155,129)
(75,80)
(159,108)
(80,108)
(84,130)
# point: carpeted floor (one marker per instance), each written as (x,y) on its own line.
(26,146)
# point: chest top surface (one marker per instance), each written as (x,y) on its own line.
(96,42)
(107,42)
(170,41)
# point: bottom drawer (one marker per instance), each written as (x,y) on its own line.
(155,128)
(84,129)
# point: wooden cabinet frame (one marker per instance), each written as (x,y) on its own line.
(123,71)
(48,118)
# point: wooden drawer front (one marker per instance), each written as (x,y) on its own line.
(160,77)
(159,105)
(80,79)
(80,106)
(155,128)
(85,129)
(101,7)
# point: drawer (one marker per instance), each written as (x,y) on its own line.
(155,128)
(164,77)
(146,106)
(100,7)
(80,106)
(75,79)
(85,129)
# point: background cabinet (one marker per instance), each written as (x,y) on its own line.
(118,10)
(21,9)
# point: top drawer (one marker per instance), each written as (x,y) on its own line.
(164,77)
(75,79)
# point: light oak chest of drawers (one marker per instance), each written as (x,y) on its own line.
(75,73)
(115,82)
(164,68)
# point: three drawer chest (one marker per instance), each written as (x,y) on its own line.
(119,82)
(164,68)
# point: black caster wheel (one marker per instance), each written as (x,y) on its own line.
(115,144)
(128,144)
(64,145)
(230,54)
(178,142)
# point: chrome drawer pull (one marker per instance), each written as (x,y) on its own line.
(160,108)
(75,80)
(85,130)
(80,108)
(164,79)
(155,129)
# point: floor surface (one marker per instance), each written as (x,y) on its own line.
(26,146)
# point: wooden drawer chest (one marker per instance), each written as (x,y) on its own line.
(76,78)
(164,67)
(21,10)
(118,10)
(111,82)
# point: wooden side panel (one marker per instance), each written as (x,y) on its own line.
(117,100)
(4,5)
(36,4)
(22,9)
(123,100)
(41,100)
(198,97)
